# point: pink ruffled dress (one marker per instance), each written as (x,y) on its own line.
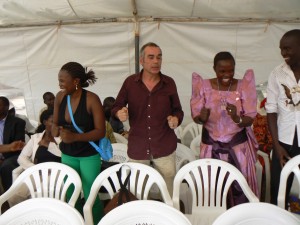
(221,127)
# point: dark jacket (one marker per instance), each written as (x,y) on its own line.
(14,130)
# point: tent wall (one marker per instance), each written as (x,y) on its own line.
(31,57)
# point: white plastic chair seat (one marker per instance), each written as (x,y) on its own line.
(258,213)
(144,212)
(42,211)
(46,180)
(209,181)
(141,180)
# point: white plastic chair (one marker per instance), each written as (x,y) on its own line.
(195,145)
(144,212)
(46,180)
(141,180)
(184,155)
(119,153)
(209,181)
(42,211)
(259,175)
(266,159)
(256,213)
(292,166)
(190,131)
(120,138)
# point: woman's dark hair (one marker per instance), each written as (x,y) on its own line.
(107,105)
(44,116)
(76,70)
(223,56)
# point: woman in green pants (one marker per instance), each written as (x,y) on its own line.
(88,114)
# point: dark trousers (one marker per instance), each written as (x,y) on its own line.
(292,150)
(6,168)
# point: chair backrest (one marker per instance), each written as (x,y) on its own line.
(120,138)
(292,166)
(46,180)
(195,145)
(178,131)
(209,181)
(42,211)
(267,176)
(144,212)
(184,155)
(256,213)
(141,180)
(190,131)
(119,153)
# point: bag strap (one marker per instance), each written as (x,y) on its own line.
(75,125)
(123,189)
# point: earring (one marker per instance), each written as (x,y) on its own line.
(76,87)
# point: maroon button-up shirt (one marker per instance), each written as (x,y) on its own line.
(150,134)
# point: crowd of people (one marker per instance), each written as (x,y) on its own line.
(224,105)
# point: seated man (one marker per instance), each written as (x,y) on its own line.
(12,136)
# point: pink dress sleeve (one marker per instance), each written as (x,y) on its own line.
(248,94)
(197,99)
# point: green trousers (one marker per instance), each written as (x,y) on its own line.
(88,169)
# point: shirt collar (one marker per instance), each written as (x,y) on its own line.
(139,77)
(3,120)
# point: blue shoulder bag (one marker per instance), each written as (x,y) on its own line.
(104,148)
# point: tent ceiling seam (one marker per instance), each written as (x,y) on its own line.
(72,9)
(151,19)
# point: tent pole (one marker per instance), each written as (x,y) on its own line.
(137,47)
(136,36)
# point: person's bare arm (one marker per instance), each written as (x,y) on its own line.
(57,101)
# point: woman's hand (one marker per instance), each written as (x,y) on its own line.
(231,109)
(66,135)
(204,114)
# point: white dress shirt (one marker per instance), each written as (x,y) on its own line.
(288,115)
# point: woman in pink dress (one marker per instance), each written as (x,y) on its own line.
(226,107)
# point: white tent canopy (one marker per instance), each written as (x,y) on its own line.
(38,36)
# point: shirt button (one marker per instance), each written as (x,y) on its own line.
(149,105)
(149,128)
(149,116)
(149,138)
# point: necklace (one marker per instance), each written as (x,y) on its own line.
(223,99)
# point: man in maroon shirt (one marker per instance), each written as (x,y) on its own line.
(150,101)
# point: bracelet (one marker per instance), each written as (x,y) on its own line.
(240,121)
